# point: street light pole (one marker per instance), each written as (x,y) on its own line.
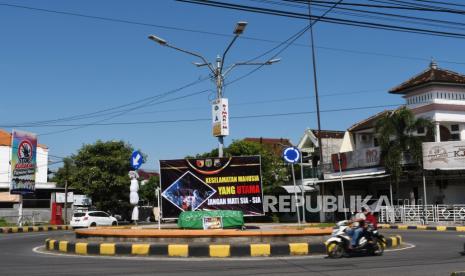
(219,77)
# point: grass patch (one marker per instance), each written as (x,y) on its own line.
(4,223)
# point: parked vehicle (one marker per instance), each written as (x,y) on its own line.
(371,242)
(92,219)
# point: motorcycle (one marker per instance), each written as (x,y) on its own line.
(371,241)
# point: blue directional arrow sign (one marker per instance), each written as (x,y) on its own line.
(136,160)
(291,155)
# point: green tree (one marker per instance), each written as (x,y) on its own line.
(100,170)
(396,135)
(274,173)
(147,190)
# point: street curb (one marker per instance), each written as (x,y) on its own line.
(9,230)
(195,250)
(458,273)
(423,227)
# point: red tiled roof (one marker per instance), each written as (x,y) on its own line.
(368,122)
(335,134)
(431,75)
(262,140)
(274,144)
(145,175)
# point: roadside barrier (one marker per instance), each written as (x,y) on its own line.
(422,227)
(195,250)
(9,230)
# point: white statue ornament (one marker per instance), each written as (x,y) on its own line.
(133,195)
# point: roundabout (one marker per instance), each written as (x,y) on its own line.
(136,241)
(426,253)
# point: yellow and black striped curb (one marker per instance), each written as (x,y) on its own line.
(458,273)
(195,250)
(34,228)
(423,227)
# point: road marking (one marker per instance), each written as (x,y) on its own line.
(40,250)
(19,236)
(409,246)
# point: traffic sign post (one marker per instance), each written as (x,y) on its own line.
(291,155)
(136,160)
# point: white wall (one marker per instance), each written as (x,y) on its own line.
(4,164)
(330,146)
(42,165)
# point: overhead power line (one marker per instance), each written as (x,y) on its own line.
(441,3)
(332,20)
(182,29)
(114,116)
(147,101)
(287,43)
(388,5)
(209,119)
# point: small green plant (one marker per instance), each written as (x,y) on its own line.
(4,223)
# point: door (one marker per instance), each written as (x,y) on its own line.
(105,218)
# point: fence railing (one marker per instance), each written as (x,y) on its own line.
(29,220)
(423,214)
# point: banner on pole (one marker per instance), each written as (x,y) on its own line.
(232,183)
(23,162)
(220,117)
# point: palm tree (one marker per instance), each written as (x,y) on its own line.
(395,132)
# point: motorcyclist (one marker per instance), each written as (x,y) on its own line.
(371,219)
(358,226)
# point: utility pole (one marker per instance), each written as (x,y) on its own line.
(220,112)
(317,101)
(315,83)
(66,167)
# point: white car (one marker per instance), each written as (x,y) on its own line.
(92,219)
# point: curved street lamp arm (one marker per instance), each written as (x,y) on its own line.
(226,51)
(193,54)
(269,62)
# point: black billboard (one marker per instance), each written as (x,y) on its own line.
(232,183)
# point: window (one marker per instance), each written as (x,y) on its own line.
(375,142)
(455,132)
(421,130)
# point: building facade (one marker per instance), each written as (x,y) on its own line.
(436,94)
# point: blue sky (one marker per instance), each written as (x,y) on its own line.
(54,66)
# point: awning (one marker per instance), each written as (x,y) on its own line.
(355,173)
(291,189)
(6,197)
(345,178)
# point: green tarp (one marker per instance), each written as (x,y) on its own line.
(194,219)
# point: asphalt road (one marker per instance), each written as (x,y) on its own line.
(435,253)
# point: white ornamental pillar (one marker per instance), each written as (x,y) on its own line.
(437,135)
(133,195)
